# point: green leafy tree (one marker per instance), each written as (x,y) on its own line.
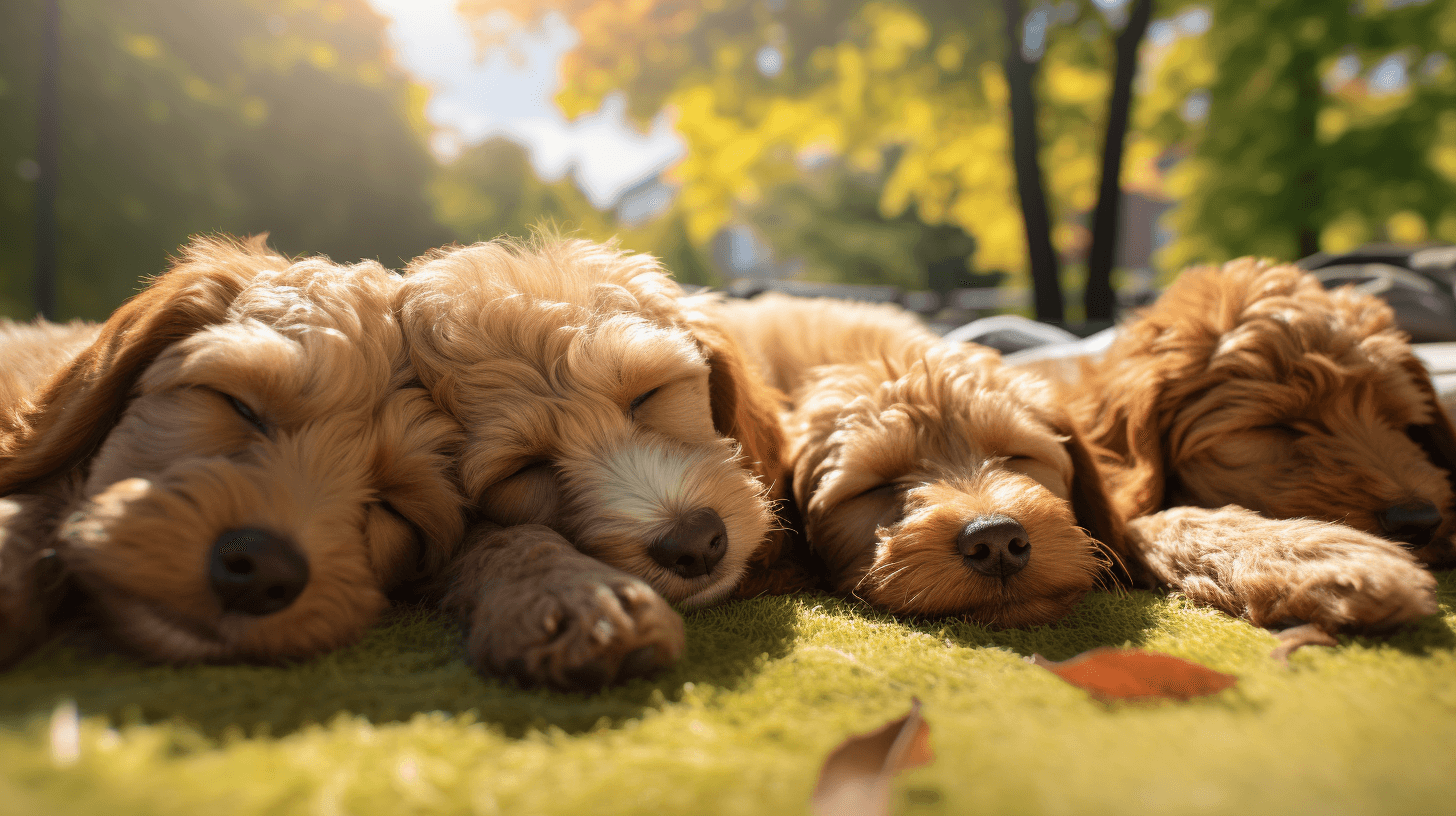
(188,116)
(977,98)
(491,190)
(1313,128)
(830,220)
(1283,148)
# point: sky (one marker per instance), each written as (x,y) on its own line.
(476,96)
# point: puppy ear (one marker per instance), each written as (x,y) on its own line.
(75,410)
(1437,437)
(1095,511)
(745,408)
(1129,428)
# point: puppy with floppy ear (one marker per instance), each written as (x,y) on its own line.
(615,441)
(1250,385)
(236,468)
(931,478)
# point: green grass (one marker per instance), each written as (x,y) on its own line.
(399,725)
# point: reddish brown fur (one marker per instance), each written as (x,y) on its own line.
(142,462)
(1252,426)
(1249,384)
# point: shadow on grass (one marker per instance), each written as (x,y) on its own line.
(412,662)
(1101,619)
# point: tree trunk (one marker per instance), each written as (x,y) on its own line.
(48,158)
(1026,144)
(1309,177)
(1100,300)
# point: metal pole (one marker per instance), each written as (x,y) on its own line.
(48,157)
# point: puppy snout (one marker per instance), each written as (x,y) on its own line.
(693,546)
(256,572)
(1411,522)
(995,545)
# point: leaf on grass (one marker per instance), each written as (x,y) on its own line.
(1296,636)
(855,779)
(1131,674)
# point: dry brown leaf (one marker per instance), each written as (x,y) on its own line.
(855,779)
(1131,674)
(1296,636)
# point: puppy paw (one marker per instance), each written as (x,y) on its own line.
(582,631)
(1345,579)
(1273,571)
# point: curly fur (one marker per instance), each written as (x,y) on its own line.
(131,460)
(1249,384)
(1276,572)
(898,442)
(602,408)
(598,400)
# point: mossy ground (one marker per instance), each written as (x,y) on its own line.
(399,725)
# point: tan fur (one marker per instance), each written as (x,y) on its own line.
(1280,571)
(901,441)
(147,463)
(786,336)
(540,351)
(1249,384)
(32,352)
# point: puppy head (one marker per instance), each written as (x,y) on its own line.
(599,400)
(255,468)
(1251,385)
(945,483)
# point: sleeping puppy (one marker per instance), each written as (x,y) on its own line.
(931,478)
(617,447)
(235,467)
(919,437)
(1249,387)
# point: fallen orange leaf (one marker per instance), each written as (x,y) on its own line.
(855,779)
(1130,674)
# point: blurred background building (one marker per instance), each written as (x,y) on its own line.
(774,143)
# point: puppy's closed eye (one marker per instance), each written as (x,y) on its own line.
(247,413)
(394,511)
(533,465)
(641,398)
(1289,429)
(885,490)
(530,495)
(1045,473)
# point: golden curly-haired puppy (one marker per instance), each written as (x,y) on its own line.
(1251,386)
(932,479)
(615,434)
(238,467)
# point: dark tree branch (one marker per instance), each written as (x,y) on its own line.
(1026,144)
(1100,300)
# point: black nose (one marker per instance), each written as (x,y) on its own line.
(995,545)
(256,572)
(1411,522)
(693,546)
